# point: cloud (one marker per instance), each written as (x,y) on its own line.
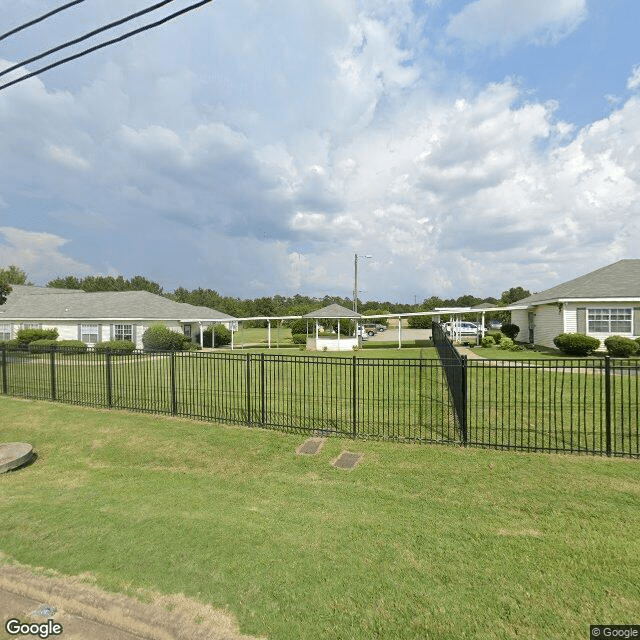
(633,82)
(503,23)
(39,254)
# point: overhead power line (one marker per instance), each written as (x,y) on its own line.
(40,19)
(85,52)
(86,36)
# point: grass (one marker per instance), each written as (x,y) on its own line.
(417,542)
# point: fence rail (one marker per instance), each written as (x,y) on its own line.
(585,406)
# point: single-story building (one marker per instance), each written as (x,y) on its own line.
(98,317)
(602,303)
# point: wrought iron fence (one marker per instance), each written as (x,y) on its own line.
(564,405)
(580,406)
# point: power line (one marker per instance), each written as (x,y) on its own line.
(85,37)
(40,19)
(129,34)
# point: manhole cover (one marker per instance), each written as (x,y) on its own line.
(310,446)
(347,460)
(14,455)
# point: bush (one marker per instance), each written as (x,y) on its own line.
(620,347)
(576,344)
(510,330)
(222,336)
(507,344)
(116,346)
(496,335)
(72,346)
(26,336)
(159,338)
(14,343)
(42,345)
(299,338)
(488,341)
(300,326)
(419,322)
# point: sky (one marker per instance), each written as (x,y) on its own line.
(255,147)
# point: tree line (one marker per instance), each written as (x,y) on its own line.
(276,305)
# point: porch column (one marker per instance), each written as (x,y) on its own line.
(399,332)
(201,337)
(269,333)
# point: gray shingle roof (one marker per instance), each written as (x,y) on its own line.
(618,280)
(109,305)
(333,311)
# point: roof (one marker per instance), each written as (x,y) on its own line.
(615,281)
(333,311)
(33,303)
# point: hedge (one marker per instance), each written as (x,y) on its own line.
(117,346)
(576,344)
(621,347)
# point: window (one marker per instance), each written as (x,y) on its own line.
(187,330)
(5,332)
(31,325)
(609,320)
(89,333)
(123,332)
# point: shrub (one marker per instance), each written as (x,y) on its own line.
(496,335)
(26,336)
(14,343)
(42,345)
(301,325)
(72,346)
(488,341)
(576,344)
(222,336)
(507,344)
(159,338)
(115,346)
(299,338)
(510,330)
(620,347)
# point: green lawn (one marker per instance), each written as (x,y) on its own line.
(416,542)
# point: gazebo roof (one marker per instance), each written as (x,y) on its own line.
(331,312)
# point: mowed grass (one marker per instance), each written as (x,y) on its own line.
(416,542)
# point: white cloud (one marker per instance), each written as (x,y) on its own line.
(633,82)
(39,254)
(503,23)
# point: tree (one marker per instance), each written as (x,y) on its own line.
(13,275)
(513,295)
(5,290)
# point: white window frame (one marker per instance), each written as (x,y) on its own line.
(5,331)
(120,332)
(31,325)
(88,331)
(610,320)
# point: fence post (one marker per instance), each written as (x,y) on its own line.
(5,385)
(52,366)
(107,360)
(463,400)
(354,398)
(174,398)
(248,384)
(263,392)
(607,394)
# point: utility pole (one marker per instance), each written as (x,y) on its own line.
(355,280)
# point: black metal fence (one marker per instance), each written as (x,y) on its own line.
(394,399)
(580,406)
(564,405)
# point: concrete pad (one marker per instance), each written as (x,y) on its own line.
(14,455)
(347,460)
(310,447)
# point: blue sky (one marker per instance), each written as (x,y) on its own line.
(255,147)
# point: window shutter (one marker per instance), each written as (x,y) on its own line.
(79,332)
(636,321)
(581,320)
(133,333)
(111,332)
(99,333)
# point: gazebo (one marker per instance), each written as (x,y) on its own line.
(337,342)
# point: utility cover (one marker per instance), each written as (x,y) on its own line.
(347,460)
(14,455)
(310,446)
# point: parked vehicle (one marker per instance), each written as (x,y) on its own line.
(372,329)
(463,328)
